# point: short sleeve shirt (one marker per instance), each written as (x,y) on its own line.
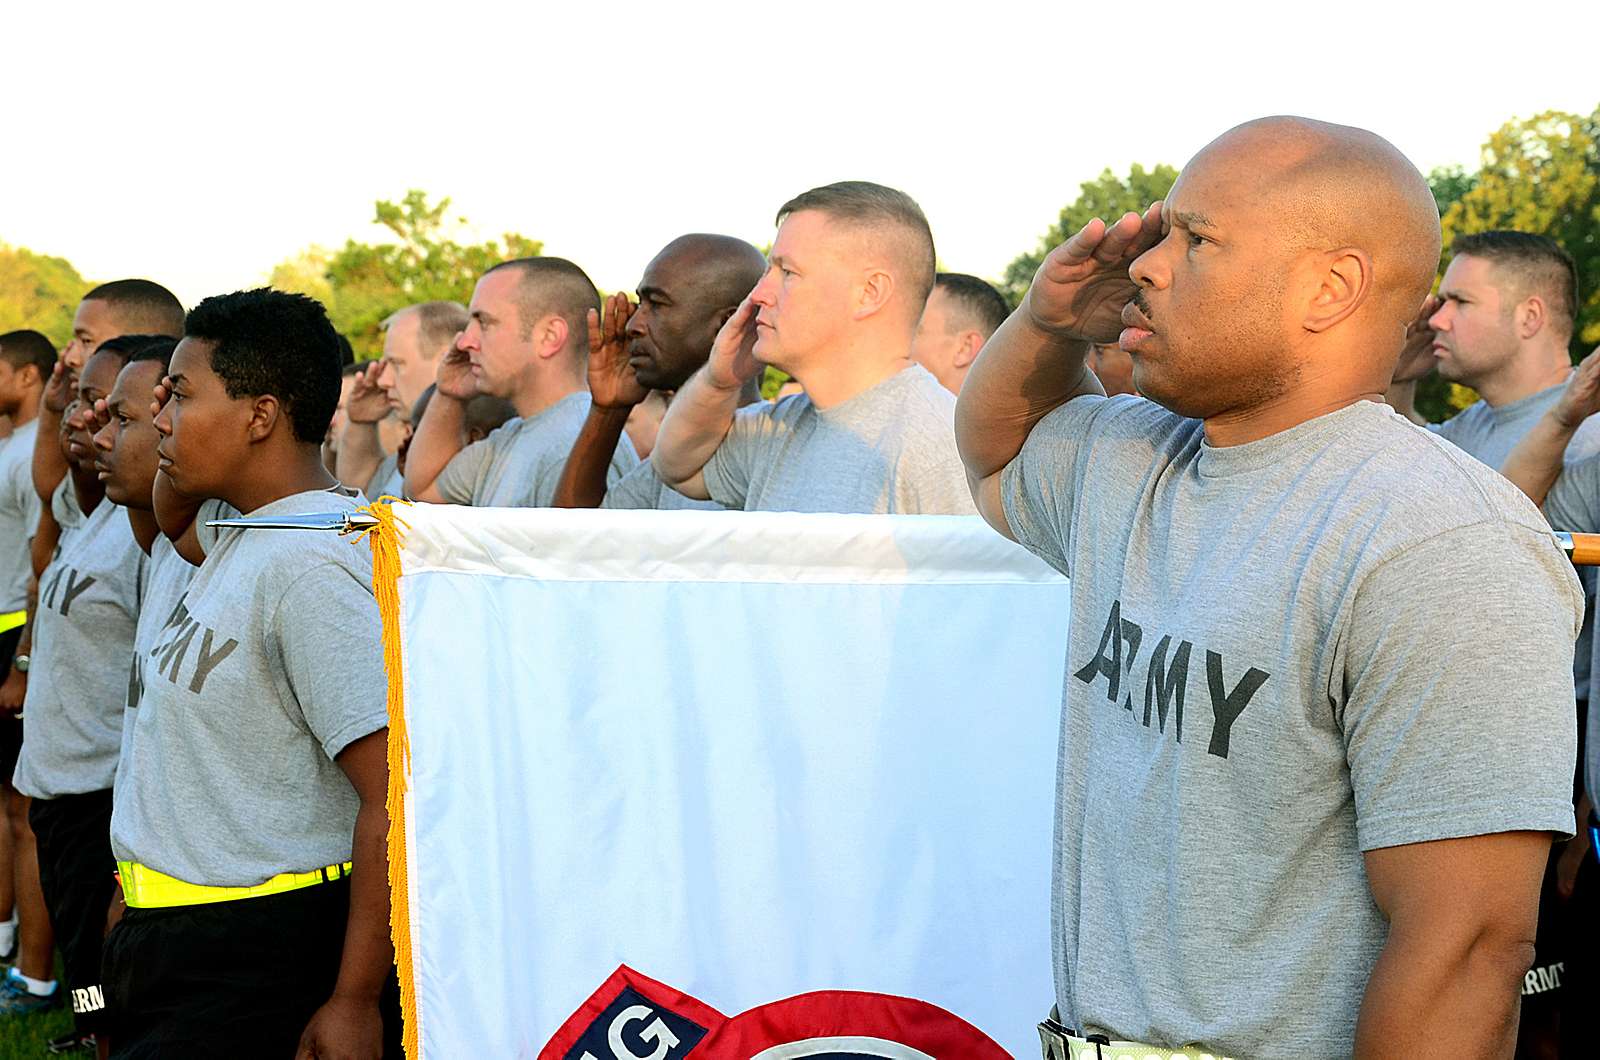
(519,464)
(19,516)
(888,450)
(1253,699)
(269,667)
(89,599)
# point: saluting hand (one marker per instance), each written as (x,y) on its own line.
(612,384)
(160,396)
(1581,399)
(733,363)
(455,378)
(61,388)
(368,402)
(1081,287)
(1416,357)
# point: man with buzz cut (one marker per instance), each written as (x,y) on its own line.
(1316,729)
(837,309)
(121,307)
(526,340)
(961,314)
(249,825)
(688,291)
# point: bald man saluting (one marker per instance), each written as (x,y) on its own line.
(1317,720)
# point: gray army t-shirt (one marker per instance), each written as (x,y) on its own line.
(166,578)
(19,516)
(1573,504)
(1490,434)
(519,464)
(642,488)
(387,481)
(270,667)
(82,637)
(888,450)
(1281,655)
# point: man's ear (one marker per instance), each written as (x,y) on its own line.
(1530,317)
(1344,282)
(265,412)
(550,336)
(874,292)
(972,341)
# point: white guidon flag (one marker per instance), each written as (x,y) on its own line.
(744,757)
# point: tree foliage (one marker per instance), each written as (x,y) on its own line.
(1107,197)
(1542,175)
(362,283)
(38,291)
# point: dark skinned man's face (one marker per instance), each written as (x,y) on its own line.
(125,448)
(99,375)
(205,434)
(1214,292)
(670,334)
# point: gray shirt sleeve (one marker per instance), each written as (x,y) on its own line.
(464,475)
(1038,487)
(1573,503)
(327,631)
(1458,716)
(639,489)
(729,471)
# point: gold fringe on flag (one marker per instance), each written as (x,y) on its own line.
(385,539)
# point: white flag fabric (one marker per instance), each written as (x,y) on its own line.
(747,755)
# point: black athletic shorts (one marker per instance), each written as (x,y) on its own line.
(76,873)
(10,724)
(230,979)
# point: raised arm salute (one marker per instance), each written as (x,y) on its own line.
(1035,362)
(1299,813)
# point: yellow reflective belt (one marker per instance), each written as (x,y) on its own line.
(145,888)
(1061,1045)
(10,620)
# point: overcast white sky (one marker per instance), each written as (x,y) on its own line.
(199,144)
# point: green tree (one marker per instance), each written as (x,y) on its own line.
(1107,197)
(362,283)
(1449,184)
(38,291)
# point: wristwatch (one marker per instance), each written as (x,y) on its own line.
(20,664)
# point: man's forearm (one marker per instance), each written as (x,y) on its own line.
(1535,464)
(368,947)
(360,453)
(440,436)
(695,425)
(1429,997)
(583,479)
(1022,374)
(49,466)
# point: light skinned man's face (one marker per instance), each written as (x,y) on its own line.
(407,371)
(803,301)
(945,343)
(1474,332)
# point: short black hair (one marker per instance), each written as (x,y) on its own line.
(160,350)
(142,305)
(1538,262)
(976,297)
(554,286)
(267,341)
(347,352)
(26,346)
(126,347)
